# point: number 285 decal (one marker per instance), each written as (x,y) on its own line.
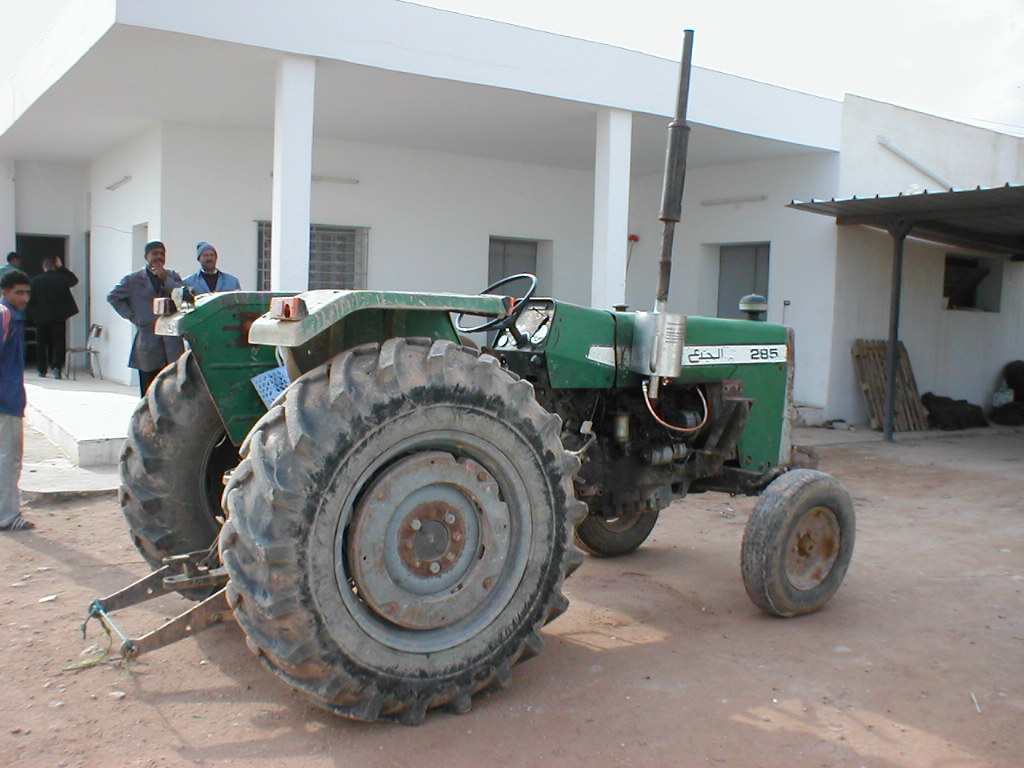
(735,354)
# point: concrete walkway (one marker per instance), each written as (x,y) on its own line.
(74,431)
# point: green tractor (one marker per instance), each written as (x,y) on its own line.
(389,511)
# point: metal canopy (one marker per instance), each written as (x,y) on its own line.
(985,219)
(981,219)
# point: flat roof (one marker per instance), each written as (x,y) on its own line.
(987,219)
(389,73)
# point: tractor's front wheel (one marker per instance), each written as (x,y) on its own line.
(173,464)
(399,529)
(798,543)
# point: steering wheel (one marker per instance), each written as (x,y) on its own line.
(517,308)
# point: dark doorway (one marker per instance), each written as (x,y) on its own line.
(33,249)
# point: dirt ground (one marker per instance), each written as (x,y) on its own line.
(661,660)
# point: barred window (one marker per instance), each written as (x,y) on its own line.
(337,256)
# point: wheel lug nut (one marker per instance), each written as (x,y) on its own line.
(449,556)
(415,525)
(435,567)
(449,518)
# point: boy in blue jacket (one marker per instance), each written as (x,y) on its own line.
(15,289)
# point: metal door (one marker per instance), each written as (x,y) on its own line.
(742,269)
(511,256)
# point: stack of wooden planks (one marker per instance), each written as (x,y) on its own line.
(869,359)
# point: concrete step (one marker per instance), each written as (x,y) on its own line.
(86,418)
(48,474)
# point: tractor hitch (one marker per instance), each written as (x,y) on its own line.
(179,573)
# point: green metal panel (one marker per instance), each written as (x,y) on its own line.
(625,326)
(581,348)
(584,349)
(716,330)
(765,383)
(217,330)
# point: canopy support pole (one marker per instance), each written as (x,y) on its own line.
(899,231)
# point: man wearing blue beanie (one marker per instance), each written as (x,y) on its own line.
(209,279)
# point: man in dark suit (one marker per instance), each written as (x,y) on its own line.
(50,307)
(132,299)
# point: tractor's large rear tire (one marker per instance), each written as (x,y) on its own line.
(172,466)
(399,529)
(798,543)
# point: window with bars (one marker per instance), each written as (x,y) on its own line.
(337,256)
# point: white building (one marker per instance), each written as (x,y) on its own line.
(438,150)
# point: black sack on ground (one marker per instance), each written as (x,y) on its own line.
(947,413)
(1013,373)
(1009,415)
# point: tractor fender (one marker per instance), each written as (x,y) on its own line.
(321,309)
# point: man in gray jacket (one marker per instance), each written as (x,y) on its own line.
(132,299)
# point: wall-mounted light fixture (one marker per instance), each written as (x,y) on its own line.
(335,180)
(733,200)
(119,183)
(329,179)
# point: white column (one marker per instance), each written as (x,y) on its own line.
(8,226)
(293,169)
(611,207)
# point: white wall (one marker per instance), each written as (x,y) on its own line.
(954,353)
(802,254)
(430,215)
(216,184)
(50,37)
(53,200)
(966,156)
(962,353)
(113,214)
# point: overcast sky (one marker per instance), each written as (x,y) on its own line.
(958,58)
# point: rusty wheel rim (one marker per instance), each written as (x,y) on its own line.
(623,520)
(813,548)
(433,551)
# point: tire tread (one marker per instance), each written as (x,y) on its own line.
(267,501)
